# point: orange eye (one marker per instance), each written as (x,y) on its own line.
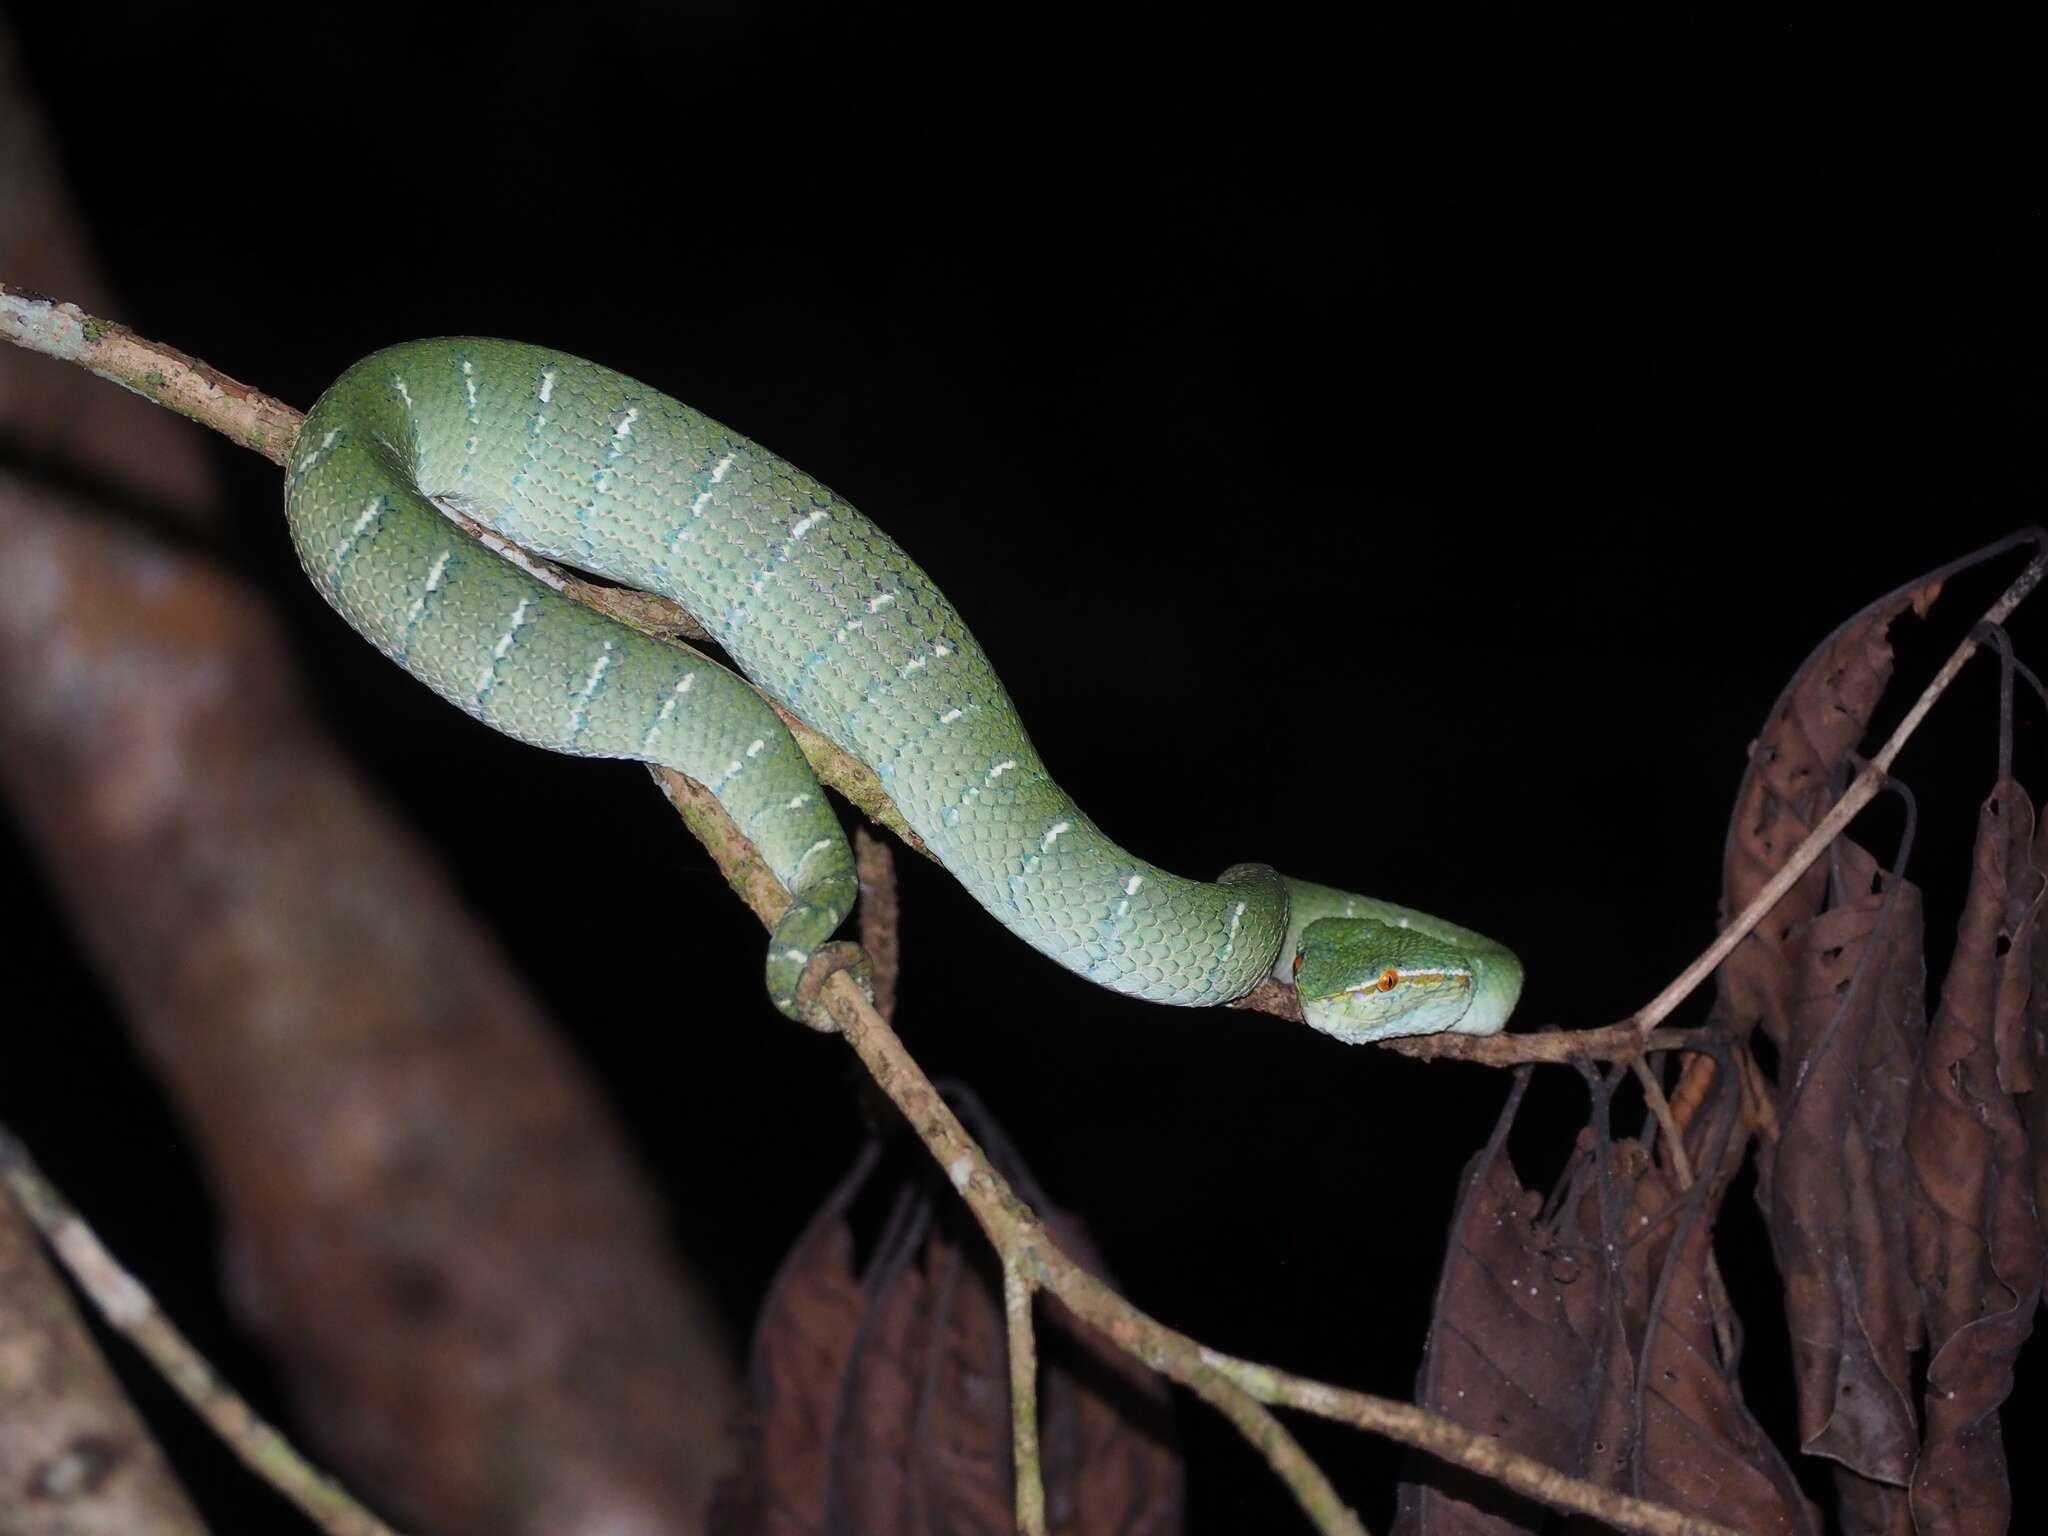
(1297,962)
(1389,979)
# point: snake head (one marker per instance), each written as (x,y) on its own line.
(1360,979)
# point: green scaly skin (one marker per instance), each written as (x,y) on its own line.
(828,616)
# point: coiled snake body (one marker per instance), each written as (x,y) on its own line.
(829,616)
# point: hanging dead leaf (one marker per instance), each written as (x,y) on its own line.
(1829,1185)
(1519,1342)
(1817,721)
(1606,1369)
(1696,1445)
(1975,1236)
(809,1322)
(883,1397)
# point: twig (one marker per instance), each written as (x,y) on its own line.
(152,370)
(1021,1241)
(1023,1352)
(1681,1166)
(133,1312)
(1020,1238)
(1616,1042)
(1451,1442)
(246,416)
(1263,1430)
(880,917)
(1859,794)
(1660,1111)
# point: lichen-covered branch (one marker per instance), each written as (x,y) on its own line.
(131,1311)
(1023,1355)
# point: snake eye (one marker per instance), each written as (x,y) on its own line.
(1389,979)
(1297,962)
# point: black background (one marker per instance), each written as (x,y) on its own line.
(1412,457)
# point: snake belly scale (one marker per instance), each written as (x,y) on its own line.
(827,615)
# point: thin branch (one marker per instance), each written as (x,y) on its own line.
(1263,1430)
(1681,1165)
(1452,1443)
(150,369)
(1020,1238)
(880,917)
(1859,794)
(130,1310)
(1617,1042)
(1017,1292)
(1660,1111)
(269,427)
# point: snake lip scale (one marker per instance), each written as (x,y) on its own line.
(828,616)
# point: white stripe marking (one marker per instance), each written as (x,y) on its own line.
(805,524)
(719,469)
(668,707)
(505,640)
(877,604)
(498,651)
(580,713)
(547,386)
(1000,769)
(438,569)
(1052,835)
(403,393)
(1230,942)
(949,717)
(313,457)
(1131,885)
(370,514)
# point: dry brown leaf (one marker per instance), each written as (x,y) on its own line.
(883,1402)
(872,1482)
(1517,1341)
(1787,788)
(1538,1342)
(1975,1233)
(2034,1106)
(809,1320)
(1829,1186)
(1696,1445)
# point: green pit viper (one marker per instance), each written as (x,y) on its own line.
(827,615)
